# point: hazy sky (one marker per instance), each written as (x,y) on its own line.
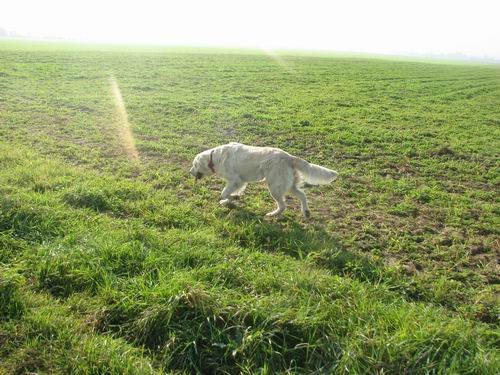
(376,26)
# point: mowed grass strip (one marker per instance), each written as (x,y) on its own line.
(97,267)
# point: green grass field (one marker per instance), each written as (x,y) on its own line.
(113,261)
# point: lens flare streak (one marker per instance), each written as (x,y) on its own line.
(278,59)
(121,120)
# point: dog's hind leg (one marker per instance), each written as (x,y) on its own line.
(280,201)
(303,200)
(278,193)
(279,181)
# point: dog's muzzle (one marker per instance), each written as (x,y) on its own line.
(198,176)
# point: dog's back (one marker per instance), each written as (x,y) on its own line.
(267,157)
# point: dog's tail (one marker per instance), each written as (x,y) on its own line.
(314,174)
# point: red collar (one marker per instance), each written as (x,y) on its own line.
(211,162)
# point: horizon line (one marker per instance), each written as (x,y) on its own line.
(456,57)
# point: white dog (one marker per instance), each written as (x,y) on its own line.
(239,164)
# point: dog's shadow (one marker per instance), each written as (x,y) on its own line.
(298,238)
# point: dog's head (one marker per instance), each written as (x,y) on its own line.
(201,165)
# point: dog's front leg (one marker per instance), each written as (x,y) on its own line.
(231,187)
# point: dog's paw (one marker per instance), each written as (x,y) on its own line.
(274,213)
(227,203)
(224,202)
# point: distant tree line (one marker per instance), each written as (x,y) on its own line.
(6,33)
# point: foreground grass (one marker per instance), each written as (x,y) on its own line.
(112,264)
(192,298)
